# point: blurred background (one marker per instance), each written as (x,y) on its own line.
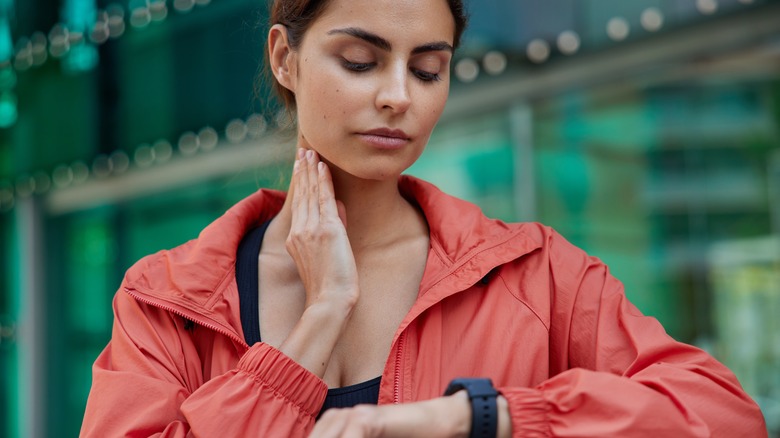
(646,132)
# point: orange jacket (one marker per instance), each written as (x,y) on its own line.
(513,302)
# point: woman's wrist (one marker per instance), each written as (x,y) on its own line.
(333,305)
(504,419)
(311,341)
(459,408)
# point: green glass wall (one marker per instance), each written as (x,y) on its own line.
(9,313)
(649,179)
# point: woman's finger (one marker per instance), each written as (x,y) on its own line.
(332,424)
(299,201)
(327,198)
(430,418)
(312,192)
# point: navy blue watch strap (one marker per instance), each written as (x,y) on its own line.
(484,409)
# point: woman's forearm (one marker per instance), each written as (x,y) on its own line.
(312,339)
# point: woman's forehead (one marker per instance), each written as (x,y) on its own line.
(419,21)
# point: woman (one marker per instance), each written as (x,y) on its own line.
(383,289)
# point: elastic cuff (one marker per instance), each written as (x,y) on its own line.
(285,376)
(528,411)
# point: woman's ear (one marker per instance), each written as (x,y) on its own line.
(281,57)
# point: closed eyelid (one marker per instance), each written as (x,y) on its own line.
(430,58)
(357,53)
(431,62)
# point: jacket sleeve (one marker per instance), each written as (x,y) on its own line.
(142,386)
(615,372)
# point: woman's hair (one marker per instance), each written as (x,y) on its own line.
(298,15)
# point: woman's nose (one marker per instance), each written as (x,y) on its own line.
(393,92)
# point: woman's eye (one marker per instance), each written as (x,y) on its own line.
(426,76)
(357,66)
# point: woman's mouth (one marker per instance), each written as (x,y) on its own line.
(385,138)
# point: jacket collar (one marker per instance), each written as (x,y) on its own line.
(197,279)
(465,244)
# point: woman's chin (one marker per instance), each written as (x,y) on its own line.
(364,173)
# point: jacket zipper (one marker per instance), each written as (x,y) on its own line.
(397,379)
(177,312)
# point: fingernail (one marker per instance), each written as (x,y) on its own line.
(310,155)
(300,153)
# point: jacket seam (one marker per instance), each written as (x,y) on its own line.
(469,257)
(529,307)
(440,253)
(219,289)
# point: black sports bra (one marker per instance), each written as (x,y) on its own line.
(247,277)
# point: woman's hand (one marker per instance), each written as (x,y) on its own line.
(318,244)
(318,240)
(440,417)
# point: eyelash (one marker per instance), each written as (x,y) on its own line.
(360,67)
(427,76)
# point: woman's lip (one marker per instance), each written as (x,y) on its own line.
(384,142)
(385,138)
(387,132)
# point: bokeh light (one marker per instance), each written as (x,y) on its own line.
(618,28)
(494,62)
(568,42)
(466,70)
(538,50)
(652,19)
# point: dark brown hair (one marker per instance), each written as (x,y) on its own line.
(298,15)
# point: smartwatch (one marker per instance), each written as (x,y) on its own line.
(484,410)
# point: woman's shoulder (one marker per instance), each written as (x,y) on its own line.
(554,250)
(192,271)
(200,267)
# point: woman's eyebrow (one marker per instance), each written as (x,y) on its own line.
(433,47)
(369,37)
(385,45)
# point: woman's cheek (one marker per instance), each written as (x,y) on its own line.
(433,105)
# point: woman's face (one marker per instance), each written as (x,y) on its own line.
(371,79)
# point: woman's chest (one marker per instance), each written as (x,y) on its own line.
(388,288)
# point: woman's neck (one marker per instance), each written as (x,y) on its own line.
(377,214)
